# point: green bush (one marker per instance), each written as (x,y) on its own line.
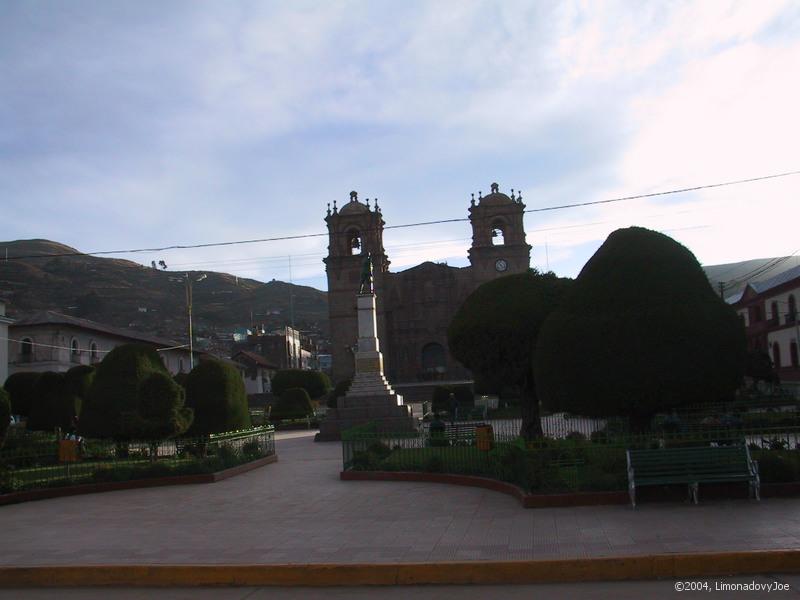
(778,466)
(215,391)
(657,334)
(181,379)
(433,464)
(54,405)
(5,415)
(79,379)
(161,413)
(293,404)
(20,390)
(316,383)
(113,397)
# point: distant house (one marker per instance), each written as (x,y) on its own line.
(258,371)
(4,343)
(50,341)
(769,311)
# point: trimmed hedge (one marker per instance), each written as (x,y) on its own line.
(295,403)
(79,379)
(215,391)
(54,405)
(113,399)
(20,390)
(316,383)
(640,332)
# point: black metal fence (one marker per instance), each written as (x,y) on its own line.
(33,460)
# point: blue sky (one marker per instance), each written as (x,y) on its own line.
(140,124)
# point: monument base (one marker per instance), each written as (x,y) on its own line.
(387,413)
(370,398)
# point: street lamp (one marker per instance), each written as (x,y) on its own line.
(188,280)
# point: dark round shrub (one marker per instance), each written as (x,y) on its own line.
(215,392)
(316,383)
(20,390)
(640,332)
(293,404)
(774,467)
(79,379)
(53,405)
(161,412)
(181,379)
(113,398)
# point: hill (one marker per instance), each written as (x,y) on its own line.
(126,294)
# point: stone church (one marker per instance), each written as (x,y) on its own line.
(415,306)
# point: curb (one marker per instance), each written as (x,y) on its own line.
(526,500)
(659,566)
(112,486)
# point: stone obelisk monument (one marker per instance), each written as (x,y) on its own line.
(370,397)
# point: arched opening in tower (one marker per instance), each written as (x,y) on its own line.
(498,234)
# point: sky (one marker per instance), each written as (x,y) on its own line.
(138,124)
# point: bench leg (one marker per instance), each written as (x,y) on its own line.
(632,494)
(693,491)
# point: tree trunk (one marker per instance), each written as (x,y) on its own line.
(531,428)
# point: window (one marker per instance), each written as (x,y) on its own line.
(498,233)
(354,241)
(75,354)
(774,311)
(756,313)
(776,355)
(93,354)
(26,350)
(793,353)
(792,314)
(180,366)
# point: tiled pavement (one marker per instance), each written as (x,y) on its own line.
(298,511)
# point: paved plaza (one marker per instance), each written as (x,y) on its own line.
(298,511)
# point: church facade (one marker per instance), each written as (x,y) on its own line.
(415,306)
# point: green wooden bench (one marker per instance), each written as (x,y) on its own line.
(692,466)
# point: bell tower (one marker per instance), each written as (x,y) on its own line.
(498,235)
(353,231)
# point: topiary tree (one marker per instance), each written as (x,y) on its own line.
(180,379)
(294,403)
(5,415)
(112,401)
(316,383)
(79,379)
(161,412)
(54,405)
(215,391)
(641,331)
(20,390)
(337,392)
(494,332)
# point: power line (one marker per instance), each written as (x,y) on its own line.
(406,225)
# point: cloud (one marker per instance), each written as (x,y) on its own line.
(124,125)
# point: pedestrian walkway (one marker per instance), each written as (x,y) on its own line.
(298,511)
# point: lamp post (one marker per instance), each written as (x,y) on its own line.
(188,280)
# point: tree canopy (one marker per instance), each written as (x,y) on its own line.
(316,383)
(640,331)
(20,390)
(215,391)
(494,333)
(112,404)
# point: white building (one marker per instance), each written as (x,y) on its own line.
(50,341)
